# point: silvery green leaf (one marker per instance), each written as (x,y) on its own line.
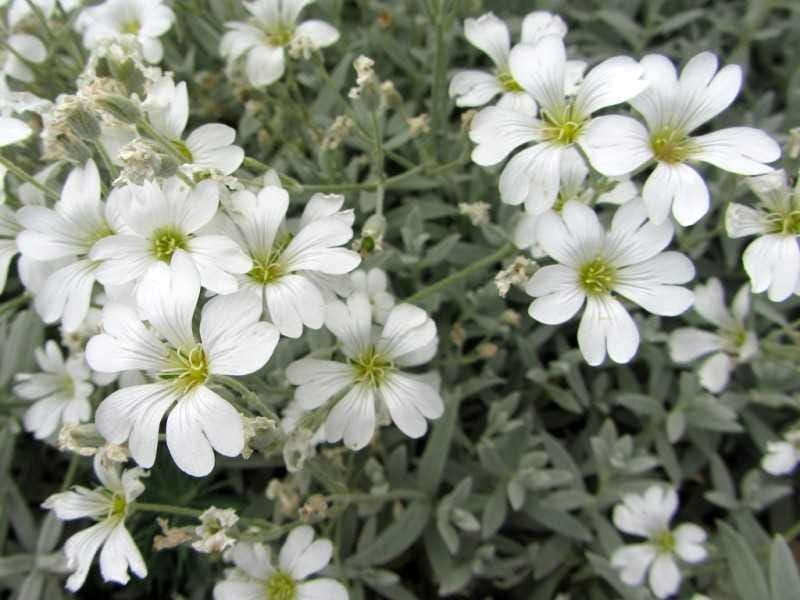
(784,579)
(465,520)
(394,539)
(494,512)
(16,564)
(744,568)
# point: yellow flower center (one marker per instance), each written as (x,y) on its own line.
(165,241)
(787,223)
(664,542)
(118,506)
(564,128)
(281,586)
(189,368)
(596,277)
(670,145)
(372,367)
(131,27)
(270,268)
(279,35)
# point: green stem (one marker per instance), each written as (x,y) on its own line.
(792,532)
(71,470)
(107,162)
(475,267)
(165,509)
(20,174)
(439,83)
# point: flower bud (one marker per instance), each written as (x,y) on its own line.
(121,108)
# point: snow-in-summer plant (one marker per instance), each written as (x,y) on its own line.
(399,299)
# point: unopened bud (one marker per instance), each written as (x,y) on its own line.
(83,123)
(121,108)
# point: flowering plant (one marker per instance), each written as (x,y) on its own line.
(429,298)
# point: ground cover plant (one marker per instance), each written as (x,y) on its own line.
(413,299)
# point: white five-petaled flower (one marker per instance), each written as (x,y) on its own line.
(772,261)
(594,265)
(733,343)
(375,285)
(532,175)
(257,577)
(109,505)
(209,147)
(144,20)
(232,342)
(648,516)
(783,455)
(162,219)
(673,108)
(67,232)
(288,270)
(270,30)
(490,35)
(61,391)
(371,379)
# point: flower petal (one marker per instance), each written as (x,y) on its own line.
(265,65)
(677,186)
(318,380)
(352,419)
(614,80)
(489,34)
(320,33)
(616,145)
(497,131)
(606,324)
(742,150)
(473,88)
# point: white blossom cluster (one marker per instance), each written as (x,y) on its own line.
(173,275)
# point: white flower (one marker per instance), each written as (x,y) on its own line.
(288,270)
(572,186)
(109,505)
(772,261)
(61,392)
(67,232)
(648,516)
(257,577)
(490,35)
(232,342)
(375,285)
(372,375)
(209,147)
(732,344)
(595,265)
(270,30)
(782,456)
(162,219)
(532,176)
(674,107)
(144,20)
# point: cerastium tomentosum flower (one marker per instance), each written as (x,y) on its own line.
(371,378)
(232,342)
(595,265)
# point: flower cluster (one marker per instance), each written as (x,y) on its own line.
(547,105)
(257,254)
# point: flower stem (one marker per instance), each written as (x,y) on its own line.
(109,165)
(20,174)
(9,305)
(71,470)
(506,250)
(165,509)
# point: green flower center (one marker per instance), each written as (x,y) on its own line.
(371,368)
(183,150)
(270,268)
(508,83)
(664,542)
(596,277)
(281,586)
(564,128)
(279,35)
(189,368)
(68,385)
(132,27)
(787,223)
(118,507)
(670,145)
(165,241)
